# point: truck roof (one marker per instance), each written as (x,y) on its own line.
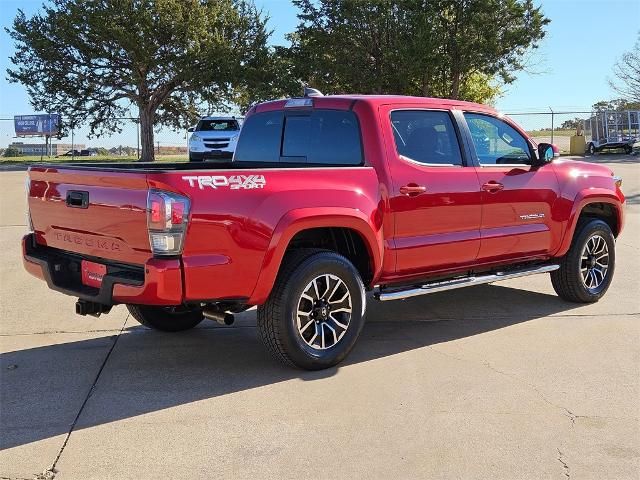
(345,101)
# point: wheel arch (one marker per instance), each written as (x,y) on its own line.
(309,228)
(605,206)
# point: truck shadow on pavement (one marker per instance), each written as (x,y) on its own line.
(44,388)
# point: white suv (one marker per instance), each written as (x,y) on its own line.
(214,138)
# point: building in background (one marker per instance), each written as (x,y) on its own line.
(41,148)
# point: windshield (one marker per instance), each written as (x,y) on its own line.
(217,126)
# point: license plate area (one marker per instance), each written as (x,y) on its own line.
(92,273)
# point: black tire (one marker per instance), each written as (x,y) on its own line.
(628,149)
(591,149)
(568,280)
(278,318)
(166,319)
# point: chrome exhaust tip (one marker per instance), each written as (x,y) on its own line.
(223,318)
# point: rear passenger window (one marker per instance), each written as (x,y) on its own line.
(260,138)
(322,136)
(426,137)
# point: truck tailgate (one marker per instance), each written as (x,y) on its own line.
(95,213)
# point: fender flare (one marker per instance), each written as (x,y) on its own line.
(295,221)
(584,198)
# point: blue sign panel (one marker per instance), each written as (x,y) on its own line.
(47,124)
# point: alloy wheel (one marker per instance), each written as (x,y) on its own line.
(594,262)
(324,311)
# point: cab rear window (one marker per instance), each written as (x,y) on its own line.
(319,137)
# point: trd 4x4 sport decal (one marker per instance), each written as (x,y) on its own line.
(234,182)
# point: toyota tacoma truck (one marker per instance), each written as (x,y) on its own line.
(326,198)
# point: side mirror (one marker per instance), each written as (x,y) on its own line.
(546,153)
(191,129)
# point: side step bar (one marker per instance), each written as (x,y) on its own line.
(399,294)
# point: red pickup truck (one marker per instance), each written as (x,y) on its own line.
(325,199)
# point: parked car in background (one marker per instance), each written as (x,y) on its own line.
(214,138)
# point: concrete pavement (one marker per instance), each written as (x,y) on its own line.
(497,381)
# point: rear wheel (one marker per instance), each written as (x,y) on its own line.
(586,270)
(166,319)
(315,312)
(628,149)
(591,149)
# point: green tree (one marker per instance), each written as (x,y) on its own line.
(101,151)
(571,124)
(11,152)
(95,61)
(618,104)
(449,48)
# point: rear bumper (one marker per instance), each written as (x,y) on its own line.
(158,282)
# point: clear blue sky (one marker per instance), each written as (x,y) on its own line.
(584,39)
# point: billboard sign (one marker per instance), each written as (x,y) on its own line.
(45,124)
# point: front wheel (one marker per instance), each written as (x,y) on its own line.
(315,312)
(628,149)
(166,319)
(591,149)
(586,270)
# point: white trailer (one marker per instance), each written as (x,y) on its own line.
(610,129)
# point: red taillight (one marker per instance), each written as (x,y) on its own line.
(177,213)
(156,209)
(167,218)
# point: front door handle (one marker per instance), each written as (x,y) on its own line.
(492,186)
(412,189)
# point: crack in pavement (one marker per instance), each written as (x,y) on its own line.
(566,412)
(629,246)
(565,466)
(46,475)
(50,472)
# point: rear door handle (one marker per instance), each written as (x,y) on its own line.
(492,186)
(412,189)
